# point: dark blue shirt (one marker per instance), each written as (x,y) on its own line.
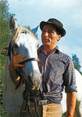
(57,72)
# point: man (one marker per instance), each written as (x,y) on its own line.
(57,71)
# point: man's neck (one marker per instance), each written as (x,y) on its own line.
(47,50)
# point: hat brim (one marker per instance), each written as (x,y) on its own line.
(60,30)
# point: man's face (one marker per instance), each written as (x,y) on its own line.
(49,36)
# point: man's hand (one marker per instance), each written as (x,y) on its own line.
(16,60)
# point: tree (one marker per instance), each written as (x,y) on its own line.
(4,23)
(76,62)
(4,28)
(4,37)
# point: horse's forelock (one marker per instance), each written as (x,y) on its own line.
(20,30)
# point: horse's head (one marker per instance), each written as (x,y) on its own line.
(24,42)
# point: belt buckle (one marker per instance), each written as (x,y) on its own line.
(43,102)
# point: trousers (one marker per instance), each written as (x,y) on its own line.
(47,110)
(52,110)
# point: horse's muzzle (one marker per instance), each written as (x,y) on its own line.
(35,79)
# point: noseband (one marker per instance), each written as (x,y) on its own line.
(29,59)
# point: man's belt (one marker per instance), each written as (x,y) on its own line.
(42,102)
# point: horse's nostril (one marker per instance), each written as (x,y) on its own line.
(30,75)
(34,80)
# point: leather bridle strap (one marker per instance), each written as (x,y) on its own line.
(29,59)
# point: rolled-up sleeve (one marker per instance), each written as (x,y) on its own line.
(70,78)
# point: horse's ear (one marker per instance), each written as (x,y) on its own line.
(35,30)
(13,23)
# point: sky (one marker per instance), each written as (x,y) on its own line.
(69,12)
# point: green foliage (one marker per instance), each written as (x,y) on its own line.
(2,108)
(81,72)
(4,38)
(4,28)
(64,115)
(4,23)
(3,9)
(76,62)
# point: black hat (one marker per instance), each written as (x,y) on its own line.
(57,25)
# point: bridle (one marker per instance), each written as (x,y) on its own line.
(29,59)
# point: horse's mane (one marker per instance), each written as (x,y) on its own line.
(19,30)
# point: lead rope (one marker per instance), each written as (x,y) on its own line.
(26,106)
(36,107)
(29,105)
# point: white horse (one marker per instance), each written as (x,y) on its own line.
(79,96)
(25,43)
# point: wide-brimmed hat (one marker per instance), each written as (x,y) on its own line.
(57,25)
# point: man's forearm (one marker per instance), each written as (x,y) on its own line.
(71,103)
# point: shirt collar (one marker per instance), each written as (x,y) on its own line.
(55,50)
